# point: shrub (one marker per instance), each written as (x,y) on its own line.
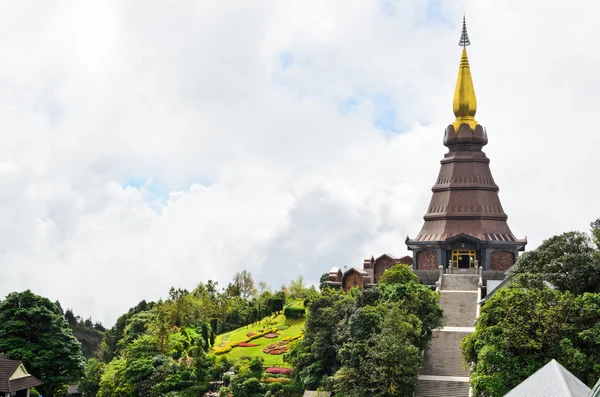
(223,350)
(291,312)
(275,387)
(226,379)
(34,393)
(277,380)
(193,391)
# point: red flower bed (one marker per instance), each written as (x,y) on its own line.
(277,370)
(249,334)
(272,336)
(245,344)
(274,349)
(283,342)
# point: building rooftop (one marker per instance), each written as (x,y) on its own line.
(552,380)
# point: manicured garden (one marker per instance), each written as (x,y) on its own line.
(269,339)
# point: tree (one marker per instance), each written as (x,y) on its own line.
(595,229)
(297,287)
(568,261)
(90,383)
(367,342)
(521,329)
(244,283)
(323,281)
(398,274)
(33,330)
(70,317)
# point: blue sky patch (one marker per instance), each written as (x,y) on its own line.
(388,7)
(160,189)
(386,114)
(435,13)
(286,60)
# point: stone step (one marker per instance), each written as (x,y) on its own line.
(460,308)
(436,388)
(443,358)
(460,282)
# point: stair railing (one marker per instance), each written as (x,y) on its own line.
(479,287)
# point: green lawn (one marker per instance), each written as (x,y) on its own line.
(296,326)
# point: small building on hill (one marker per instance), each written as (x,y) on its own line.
(368,275)
(15,381)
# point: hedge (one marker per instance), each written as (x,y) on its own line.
(291,312)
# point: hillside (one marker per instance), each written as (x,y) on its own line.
(89,338)
(284,329)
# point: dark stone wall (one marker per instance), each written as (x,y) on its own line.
(427,260)
(501,260)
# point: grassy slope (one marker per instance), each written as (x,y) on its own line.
(296,326)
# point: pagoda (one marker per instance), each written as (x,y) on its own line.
(465,224)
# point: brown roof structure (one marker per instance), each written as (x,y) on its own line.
(465,196)
(8,369)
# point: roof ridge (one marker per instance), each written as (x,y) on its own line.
(559,369)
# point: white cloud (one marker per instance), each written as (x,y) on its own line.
(235,108)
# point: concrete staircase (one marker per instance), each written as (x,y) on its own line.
(442,373)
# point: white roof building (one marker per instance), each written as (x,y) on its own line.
(552,380)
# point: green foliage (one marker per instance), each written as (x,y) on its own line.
(595,229)
(398,274)
(292,312)
(90,383)
(246,387)
(323,282)
(568,261)
(34,393)
(367,342)
(297,288)
(33,329)
(521,329)
(161,348)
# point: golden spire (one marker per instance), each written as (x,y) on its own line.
(465,102)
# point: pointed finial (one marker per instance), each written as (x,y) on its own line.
(464,37)
(465,102)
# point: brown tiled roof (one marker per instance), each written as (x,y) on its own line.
(23,383)
(465,197)
(7,368)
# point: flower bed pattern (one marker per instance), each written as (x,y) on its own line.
(275,349)
(245,344)
(227,348)
(272,335)
(249,334)
(279,371)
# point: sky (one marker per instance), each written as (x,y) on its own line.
(149,144)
